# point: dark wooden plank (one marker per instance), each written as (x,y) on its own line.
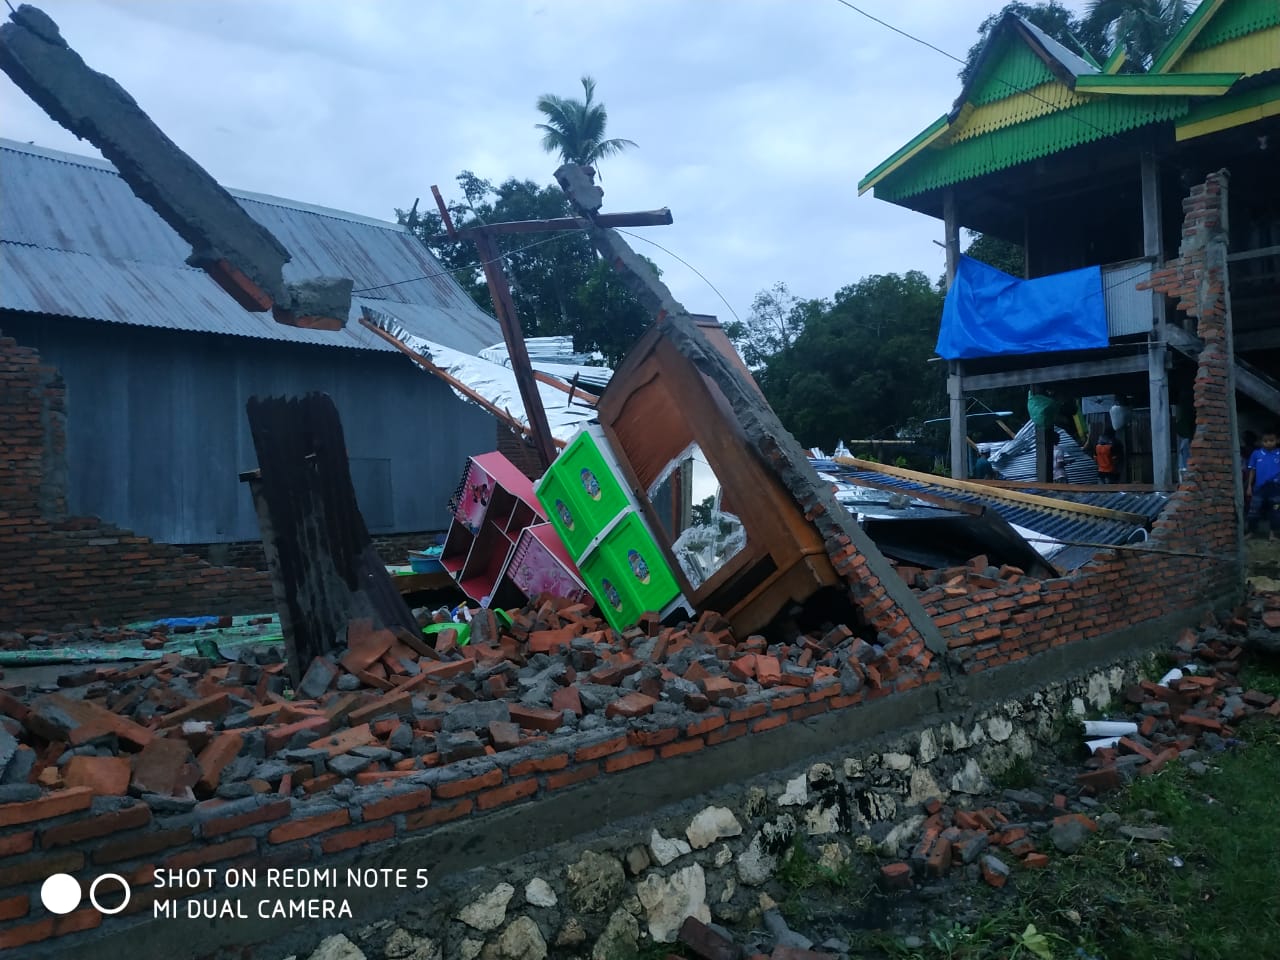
(325,571)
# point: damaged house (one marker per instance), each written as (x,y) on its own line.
(1085,166)
(152,365)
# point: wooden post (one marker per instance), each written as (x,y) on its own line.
(959,422)
(951,229)
(325,571)
(1162,463)
(505,308)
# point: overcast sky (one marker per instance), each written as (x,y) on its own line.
(755,119)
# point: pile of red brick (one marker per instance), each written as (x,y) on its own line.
(1203,705)
(396,703)
(1197,711)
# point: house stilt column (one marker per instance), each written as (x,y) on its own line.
(1162,472)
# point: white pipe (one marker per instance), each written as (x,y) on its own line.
(1109,728)
(1168,678)
(1096,745)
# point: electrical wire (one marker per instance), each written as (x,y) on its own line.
(470,269)
(952,56)
(690,266)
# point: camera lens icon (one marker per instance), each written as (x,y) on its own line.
(61,893)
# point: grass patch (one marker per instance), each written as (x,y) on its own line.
(1019,775)
(1208,894)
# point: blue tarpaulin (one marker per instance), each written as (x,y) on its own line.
(988,313)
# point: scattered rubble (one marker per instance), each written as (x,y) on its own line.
(189,728)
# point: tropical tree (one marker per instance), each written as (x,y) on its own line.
(575,128)
(1051,17)
(859,366)
(558,283)
(776,319)
(1141,27)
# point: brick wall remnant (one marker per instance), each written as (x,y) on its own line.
(57,570)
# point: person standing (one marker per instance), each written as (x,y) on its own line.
(1109,456)
(1262,486)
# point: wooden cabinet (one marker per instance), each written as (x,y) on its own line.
(659,409)
(494,511)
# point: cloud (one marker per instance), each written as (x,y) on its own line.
(755,118)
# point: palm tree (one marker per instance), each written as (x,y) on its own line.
(575,128)
(1141,27)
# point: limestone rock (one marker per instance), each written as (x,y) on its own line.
(901,835)
(595,882)
(571,934)
(638,860)
(337,947)
(522,940)
(833,857)
(470,949)
(797,792)
(971,779)
(821,773)
(403,945)
(668,902)
(539,893)
(756,864)
(927,752)
(999,729)
(665,850)
(723,855)
(896,761)
(820,821)
(619,939)
(710,825)
(487,912)
(923,787)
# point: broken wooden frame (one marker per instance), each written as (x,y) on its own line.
(760,435)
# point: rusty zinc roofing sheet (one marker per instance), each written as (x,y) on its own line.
(76,242)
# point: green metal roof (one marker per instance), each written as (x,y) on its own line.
(1010,146)
(1011,69)
(1237,18)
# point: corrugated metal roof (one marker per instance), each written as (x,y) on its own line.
(1038,137)
(75,241)
(1068,528)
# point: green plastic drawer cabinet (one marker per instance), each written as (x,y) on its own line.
(627,574)
(581,493)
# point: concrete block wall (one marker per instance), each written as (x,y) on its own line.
(57,570)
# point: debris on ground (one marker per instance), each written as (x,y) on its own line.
(396,702)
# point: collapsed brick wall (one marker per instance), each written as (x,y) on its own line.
(57,570)
(985,620)
(1193,550)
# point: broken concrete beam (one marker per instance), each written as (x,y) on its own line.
(77,722)
(235,250)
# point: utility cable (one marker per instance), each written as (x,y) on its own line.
(952,56)
(690,266)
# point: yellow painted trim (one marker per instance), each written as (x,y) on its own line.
(1037,102)
(1115,62)
(1147,90)
(1190,30)
(1238,118)
(1249,55)
(923,144)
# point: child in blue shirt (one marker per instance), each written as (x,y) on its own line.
(1262,485)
